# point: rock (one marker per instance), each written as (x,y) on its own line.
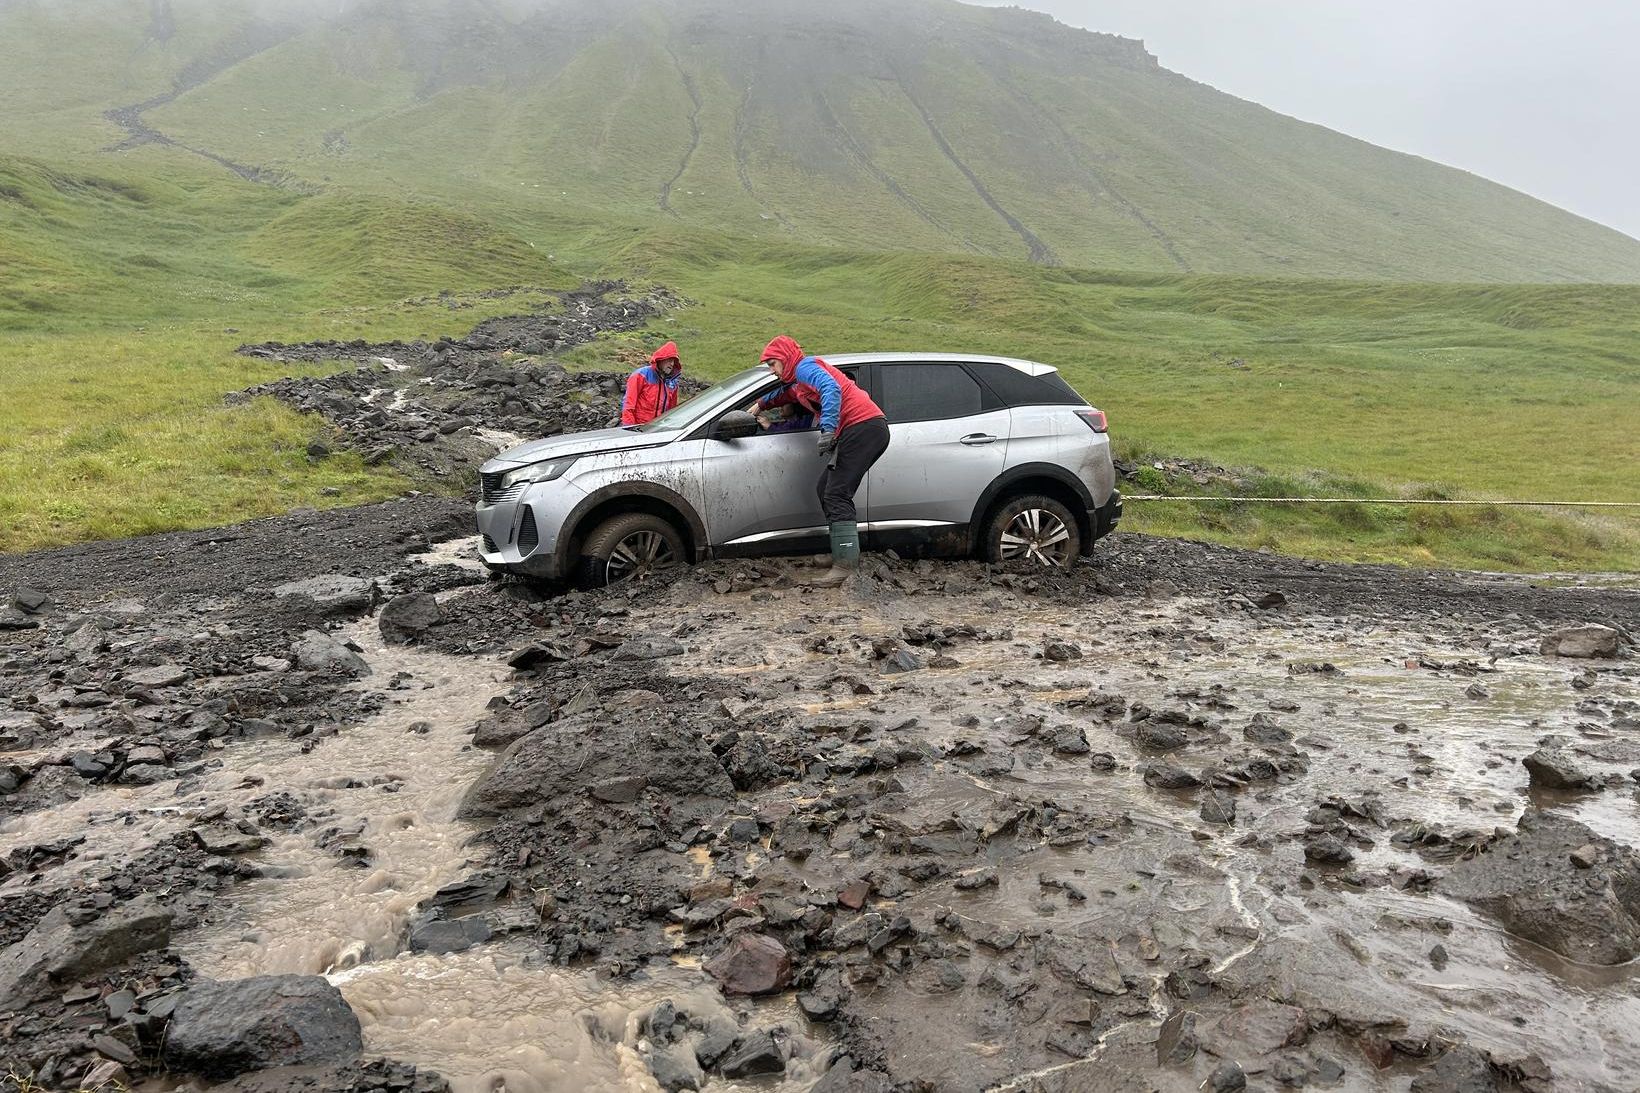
(13,619)
(30,601)
(332,593)
(1581,642)
(651,648)
(316,651)
(756,1053)
(440,935)
(1586,856)
(535,654)
(1227,1078)
(1061,651)
(845,1077)
(1218,807)
(675,1068)
(221,1029)
(1459,1070)
(1263,730)
(1270,600)
(61,950)
(1068,740)
(1176,1043)
(406,618)
(1328,850)
(822,1001)
(226,840)
(1161,737)
(562,760)
(117,1050)
(1169,776)
(752,964)
(1258,1028)
(901,661)
(1529,883)
(1554,768)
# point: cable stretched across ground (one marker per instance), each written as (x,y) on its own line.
(1386,501)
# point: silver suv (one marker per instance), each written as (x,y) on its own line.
(990,456)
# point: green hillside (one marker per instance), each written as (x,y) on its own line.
(920,125)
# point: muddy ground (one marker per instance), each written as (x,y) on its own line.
(311,803)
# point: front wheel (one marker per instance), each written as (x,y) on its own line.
(635,546)
(1033,529)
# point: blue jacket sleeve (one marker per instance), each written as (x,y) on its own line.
(831,393)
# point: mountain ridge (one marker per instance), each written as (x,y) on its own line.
(928,125)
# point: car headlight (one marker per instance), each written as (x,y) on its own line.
(537,472)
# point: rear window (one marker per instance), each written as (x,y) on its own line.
(928,392)
(1016,388)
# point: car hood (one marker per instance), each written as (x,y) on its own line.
(553,447)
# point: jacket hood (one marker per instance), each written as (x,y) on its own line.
(669,351)
(788,353)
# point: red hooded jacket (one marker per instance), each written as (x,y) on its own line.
(650,392)
(819,388)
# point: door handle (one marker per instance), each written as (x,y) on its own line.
(974,440)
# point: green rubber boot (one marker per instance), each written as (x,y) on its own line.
(845,556)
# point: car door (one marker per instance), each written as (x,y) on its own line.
(760,492)
(948,441)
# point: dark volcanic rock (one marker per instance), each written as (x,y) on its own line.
(317,651)
(1218,808)
(756,1053)
(573,757)
(752,964)
(1169,776)
(332,594)
(1460,1070)
(72,942)
(1554,768)
(227,1028)
(1530,883)
(404,618)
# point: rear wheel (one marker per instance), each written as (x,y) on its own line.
(1033,529)
(632,547)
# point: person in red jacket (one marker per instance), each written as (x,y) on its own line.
(853,436)
(653,389)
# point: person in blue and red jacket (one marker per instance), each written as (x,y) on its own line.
(853,436)
(653,389)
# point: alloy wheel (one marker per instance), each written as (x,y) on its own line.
(1037,535)
(639,555)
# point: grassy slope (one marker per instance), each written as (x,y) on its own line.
(120,276)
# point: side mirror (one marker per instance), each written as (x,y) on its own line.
(735,425)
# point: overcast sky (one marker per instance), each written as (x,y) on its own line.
(1542,96)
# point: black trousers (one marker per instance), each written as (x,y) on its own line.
(858,447)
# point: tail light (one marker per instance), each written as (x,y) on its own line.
(1094,419)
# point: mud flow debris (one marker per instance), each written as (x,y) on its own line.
(315,792)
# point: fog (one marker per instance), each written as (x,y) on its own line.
(1542,96)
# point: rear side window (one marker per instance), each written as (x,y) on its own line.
(1016,388)
(928,392)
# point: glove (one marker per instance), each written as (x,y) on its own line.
(828,441)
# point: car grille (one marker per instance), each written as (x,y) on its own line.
(492,492)
(489,546)
(529,536)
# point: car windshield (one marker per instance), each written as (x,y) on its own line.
(719,396)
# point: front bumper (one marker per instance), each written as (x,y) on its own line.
(521,535)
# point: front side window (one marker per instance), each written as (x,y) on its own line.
(928,392)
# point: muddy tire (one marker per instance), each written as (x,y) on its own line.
(635,546)
(1033,529)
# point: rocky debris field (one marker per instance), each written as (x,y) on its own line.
(440,408)
(307,803)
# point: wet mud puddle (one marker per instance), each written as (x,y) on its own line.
(1416,738)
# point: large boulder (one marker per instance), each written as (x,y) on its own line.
(221,1029)
(752,964)
(332,593)
(1554,768)
(317,651)
(580,756)
(1555,882)
(1581,642)
(72,942)
(406,617)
